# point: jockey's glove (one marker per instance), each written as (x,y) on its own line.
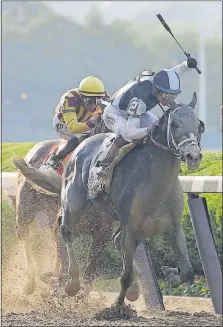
(191,62)
(92,122)
(149,128)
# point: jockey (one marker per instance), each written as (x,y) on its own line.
(137,97)
(76,113)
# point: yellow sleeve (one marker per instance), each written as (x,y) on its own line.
(70,118)
(73,125)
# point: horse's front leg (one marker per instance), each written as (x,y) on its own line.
(177,240)
(128,248)
(133,291)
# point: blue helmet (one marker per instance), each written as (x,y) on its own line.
(167,81)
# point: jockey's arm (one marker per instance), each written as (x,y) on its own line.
(70,118)
(181,68)
(73,125)
(135,109)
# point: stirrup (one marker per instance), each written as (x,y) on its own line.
(55,164)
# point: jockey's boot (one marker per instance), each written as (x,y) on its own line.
(56,159)
(110,156)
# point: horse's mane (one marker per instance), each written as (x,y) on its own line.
(166,112)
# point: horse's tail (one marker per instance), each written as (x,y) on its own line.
(52,183)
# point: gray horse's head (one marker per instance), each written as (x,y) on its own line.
(183,132)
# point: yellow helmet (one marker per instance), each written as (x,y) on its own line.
(91,86)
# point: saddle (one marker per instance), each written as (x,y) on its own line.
(98,182)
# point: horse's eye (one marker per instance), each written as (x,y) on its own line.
(174,124)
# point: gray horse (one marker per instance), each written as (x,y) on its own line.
(145,194)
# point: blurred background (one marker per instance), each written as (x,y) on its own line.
(48,47)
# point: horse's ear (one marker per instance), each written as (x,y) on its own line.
(201,127)
(193,102)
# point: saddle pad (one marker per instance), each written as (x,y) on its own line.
(94,183)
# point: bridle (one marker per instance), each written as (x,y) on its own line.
(191,140)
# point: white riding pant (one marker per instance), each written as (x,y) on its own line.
(130,128)
(62,131)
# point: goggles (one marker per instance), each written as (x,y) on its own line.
(92,100)
(169,96)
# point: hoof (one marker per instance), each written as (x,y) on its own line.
(175,281)
(62,279)
(72,288)
(171,275)
(46,278)
(133,292)
(29,287)
(49,279)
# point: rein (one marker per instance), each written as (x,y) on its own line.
(161,146)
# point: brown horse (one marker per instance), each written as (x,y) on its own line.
(29,202)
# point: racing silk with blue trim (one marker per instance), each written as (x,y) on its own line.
(142,90)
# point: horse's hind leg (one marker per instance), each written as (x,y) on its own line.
(72,211)
(176,238)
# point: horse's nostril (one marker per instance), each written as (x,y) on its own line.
(195,157)
(189,156)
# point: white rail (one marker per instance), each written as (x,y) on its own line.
(190,184)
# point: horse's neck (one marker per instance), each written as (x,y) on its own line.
(164,167)
(161,137)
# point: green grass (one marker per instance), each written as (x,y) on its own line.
(210,166)
(11,149)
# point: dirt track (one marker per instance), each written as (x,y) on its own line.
(44,309)
(54,312)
